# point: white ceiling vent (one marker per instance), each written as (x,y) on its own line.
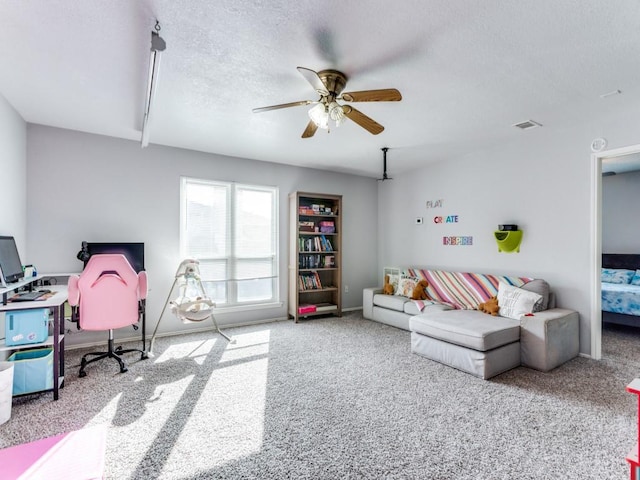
(527,124)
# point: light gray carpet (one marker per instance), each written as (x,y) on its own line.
(341,399)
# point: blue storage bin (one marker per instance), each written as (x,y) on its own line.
(32,371)
(26,326)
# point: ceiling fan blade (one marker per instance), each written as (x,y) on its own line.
(310,130)
(361,119)
(283,105)
(315,81)
(384,95)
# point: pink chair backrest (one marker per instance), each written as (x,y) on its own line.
(108,291)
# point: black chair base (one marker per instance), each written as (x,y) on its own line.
(110,353)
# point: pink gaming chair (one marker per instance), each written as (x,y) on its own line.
(110,295)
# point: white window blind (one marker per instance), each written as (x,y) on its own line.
(232,230)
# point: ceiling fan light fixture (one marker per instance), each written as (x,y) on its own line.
(336,113)
(320,116)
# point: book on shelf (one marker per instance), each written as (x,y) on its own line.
(327,227)
(316,261)
(309,281)
(328,247)
(325,307)
(304,210)
(306,308)
(306,226)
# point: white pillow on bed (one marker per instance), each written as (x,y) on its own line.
(617,275)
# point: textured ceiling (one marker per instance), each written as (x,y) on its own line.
(467,70)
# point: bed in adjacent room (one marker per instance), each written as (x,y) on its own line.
(620,281)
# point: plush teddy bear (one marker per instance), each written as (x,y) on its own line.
(490,306)
(419,291)
(387,288)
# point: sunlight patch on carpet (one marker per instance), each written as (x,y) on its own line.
(108,412)
(247,345)
(197,350)
(234,429)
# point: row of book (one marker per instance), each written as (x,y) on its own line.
(318,243)
(315,209)
(316,261)
(309,281)
(327,226)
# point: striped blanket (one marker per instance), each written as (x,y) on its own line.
(463,290)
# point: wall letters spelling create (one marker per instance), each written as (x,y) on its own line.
(447,219)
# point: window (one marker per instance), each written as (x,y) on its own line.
(232,230)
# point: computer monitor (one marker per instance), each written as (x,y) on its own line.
(134,252)
(10,262)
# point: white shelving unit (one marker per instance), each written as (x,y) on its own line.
(55,303)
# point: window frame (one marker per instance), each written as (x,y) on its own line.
(231,259)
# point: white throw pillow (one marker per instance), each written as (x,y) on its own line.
(515,302)
(406,284)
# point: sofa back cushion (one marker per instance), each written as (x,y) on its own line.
(541,287)
(464,290)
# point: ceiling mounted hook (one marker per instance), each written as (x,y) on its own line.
(384,165)
(157,42)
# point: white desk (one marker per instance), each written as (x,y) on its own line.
(56,304)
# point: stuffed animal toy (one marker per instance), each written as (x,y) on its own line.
(490,306)
(387,288)
(419,291)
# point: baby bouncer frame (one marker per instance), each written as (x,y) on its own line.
(189,308)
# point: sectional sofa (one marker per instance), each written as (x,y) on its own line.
(449,329)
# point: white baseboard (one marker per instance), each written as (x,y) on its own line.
(208,328)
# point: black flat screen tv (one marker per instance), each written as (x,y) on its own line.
(134,252)
(10,262)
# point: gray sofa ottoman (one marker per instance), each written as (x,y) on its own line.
(471,341)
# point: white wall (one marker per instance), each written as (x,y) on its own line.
(95,188)
(13,182)
(540,181)
(13,175)
(620,217)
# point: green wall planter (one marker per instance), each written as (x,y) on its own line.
(508,242)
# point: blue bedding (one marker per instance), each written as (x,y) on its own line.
(621,298)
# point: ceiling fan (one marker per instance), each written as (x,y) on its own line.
(329,85)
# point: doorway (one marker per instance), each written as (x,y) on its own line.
(616,159)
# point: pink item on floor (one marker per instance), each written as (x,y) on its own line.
(77,455)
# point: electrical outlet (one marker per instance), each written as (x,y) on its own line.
(346,289)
